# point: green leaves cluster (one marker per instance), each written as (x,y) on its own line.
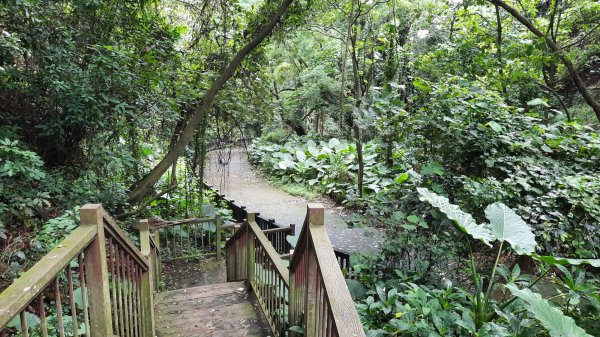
(330,166)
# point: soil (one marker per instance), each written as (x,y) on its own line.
(193,272)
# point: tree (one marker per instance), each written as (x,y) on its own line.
(199,113)
(558,50)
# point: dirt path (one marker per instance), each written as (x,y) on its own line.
(249,188)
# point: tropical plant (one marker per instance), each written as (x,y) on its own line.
(504,226)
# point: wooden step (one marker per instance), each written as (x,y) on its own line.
(217,310)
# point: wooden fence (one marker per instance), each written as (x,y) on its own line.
(95,282)
(311,295)
(279,241)
(189,238)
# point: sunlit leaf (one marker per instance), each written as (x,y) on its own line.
(464,221)
(507,226)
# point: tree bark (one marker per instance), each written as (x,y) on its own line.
(358,94)
(142,188)
(589,99)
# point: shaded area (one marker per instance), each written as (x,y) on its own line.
(223,310)
(194,272)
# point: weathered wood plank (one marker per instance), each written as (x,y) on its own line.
(344,313)
(32,282)
(222,310)
(201,291)
(97,272)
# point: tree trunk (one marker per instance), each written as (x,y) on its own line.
(357,131)
(142,188)
(589,99)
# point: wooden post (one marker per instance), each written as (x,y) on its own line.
(156,271)
(250,251)
(218,223)
(147,291)
(293,229)
(315,214)
(97,273)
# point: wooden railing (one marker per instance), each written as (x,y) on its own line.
(189,238)
(94,283)
(251,257)
(320,302)
(311,295)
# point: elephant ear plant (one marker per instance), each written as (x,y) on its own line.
(506,226)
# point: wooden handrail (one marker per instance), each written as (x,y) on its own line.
(121,237)
(311,294)
(113,277)
(277,230)
(27,287)
(320,301)
(272,254)
(252,257)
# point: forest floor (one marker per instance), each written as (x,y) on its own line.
(248,187)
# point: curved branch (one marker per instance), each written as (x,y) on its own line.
(589,99)
(137,193)
(562,103)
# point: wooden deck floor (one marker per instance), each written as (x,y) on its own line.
(217,310)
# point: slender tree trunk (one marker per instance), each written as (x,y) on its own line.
(589,99)
(142,188)
(499,47)
(344,58)
(358,100)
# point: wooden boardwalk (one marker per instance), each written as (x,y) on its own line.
(217,310)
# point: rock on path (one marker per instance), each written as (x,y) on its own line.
(240,182)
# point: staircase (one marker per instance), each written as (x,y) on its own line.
(218,310)
(99,281)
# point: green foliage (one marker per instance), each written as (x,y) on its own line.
(328,166)
(504,224)
(557,324)
(19,170)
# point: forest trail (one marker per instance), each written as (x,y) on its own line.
(241,182)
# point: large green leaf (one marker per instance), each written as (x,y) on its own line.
(563,261)
(507,226)
(557,324)
(357,290)
(464,221)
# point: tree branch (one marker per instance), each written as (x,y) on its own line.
(558,51)
(153,176)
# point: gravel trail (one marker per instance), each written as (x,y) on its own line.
(248,187)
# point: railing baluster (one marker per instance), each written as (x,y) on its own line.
(83,286)
(139,302)
(180,232)
(112,261)
(42,312)
(134,311)
(59,313)
(127,295)
(131,296)
(72,301)
(189,244)
(196,235)
(121,292)
(24,328)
